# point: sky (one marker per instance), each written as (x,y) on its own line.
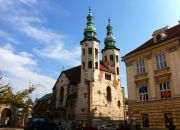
(38,38)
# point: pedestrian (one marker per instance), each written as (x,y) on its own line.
(59,125)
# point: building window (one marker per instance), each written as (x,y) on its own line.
(90,64)
(158,38)
(117,58)
(119,103)
(143,93)
(83,65)
(83,52)
(96,65)
(117,69)
(140,67)
(89,50)
(161,61)
(165,91)
(61,94)
(145,120)
(107,76)
(108,90)
(105,58)
(168,119)
(111,57)
(96,53)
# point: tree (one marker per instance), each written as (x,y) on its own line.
(3,88)
(19,98)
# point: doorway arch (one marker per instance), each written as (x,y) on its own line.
(6,116)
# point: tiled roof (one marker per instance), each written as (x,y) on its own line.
(45,97)
(104,68)
(73,74)
(171,33)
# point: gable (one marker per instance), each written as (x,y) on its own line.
(171,33)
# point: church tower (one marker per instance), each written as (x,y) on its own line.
(110,54)
(89,68)
(89,51)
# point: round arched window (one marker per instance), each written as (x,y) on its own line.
(119,103)
(109,98)
(61,94)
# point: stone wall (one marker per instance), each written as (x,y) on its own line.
(156,111)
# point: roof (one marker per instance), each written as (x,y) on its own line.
(171,33)
(104,68)
(73,74)
(45,97)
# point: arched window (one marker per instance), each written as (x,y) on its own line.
(119,103)
(90,64)
(89,50)
(117,70)
(111,57)
(108,90)
(96,64)
(158,38)
(61,94)
(83,52)
(117,58)
(96,53)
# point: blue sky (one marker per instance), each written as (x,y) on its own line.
(39,37)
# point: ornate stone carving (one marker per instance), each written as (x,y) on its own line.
(172,48)
(129,63)
(148,56)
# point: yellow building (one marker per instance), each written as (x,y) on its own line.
(153,80)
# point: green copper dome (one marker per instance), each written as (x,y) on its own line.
(90,31)
(110,40)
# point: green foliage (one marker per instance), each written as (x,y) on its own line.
(18,99)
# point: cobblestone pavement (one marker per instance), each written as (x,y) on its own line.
(11,129)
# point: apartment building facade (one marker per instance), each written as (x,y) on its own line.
(153,80)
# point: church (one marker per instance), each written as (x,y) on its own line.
(91,92)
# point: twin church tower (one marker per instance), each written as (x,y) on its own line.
(92,92)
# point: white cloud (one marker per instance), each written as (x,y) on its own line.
(18,68)
(7,37)
(31,25)
(28,1)
(26,18)
(5,4)
(58,52)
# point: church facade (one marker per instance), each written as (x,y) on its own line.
(91,92)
